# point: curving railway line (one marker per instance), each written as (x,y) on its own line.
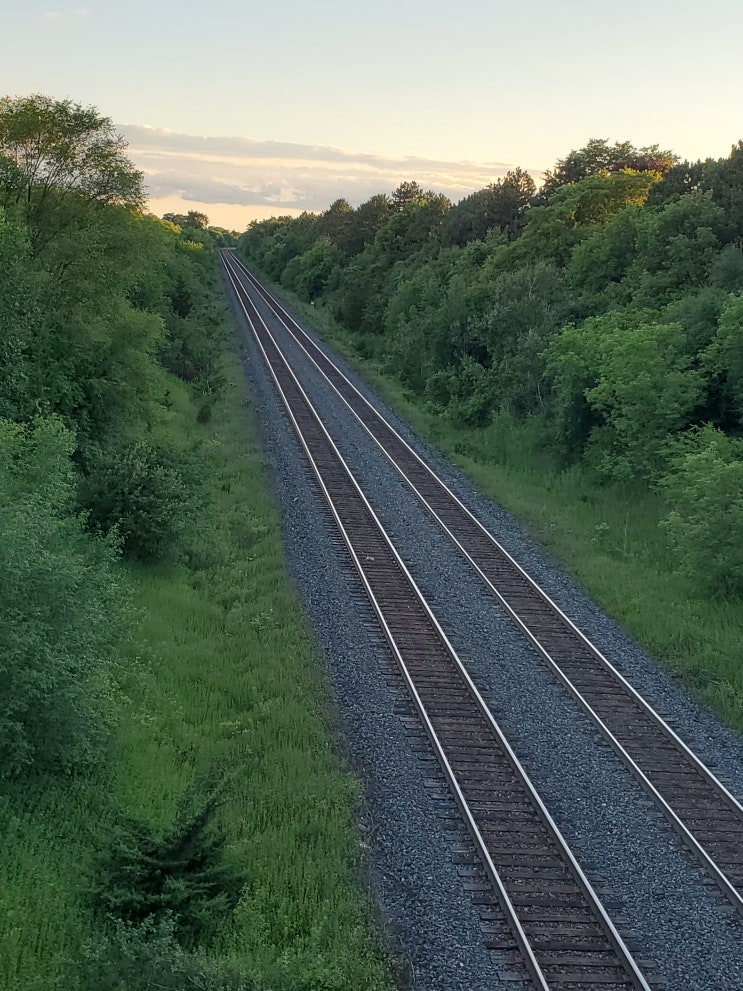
(705,814)
(552,928)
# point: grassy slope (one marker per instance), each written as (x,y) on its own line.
(606,536)
(222,670)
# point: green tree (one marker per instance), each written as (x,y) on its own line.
(413,226)
(525,311)
(599,264)
(553,230)
(61,608)
(676,246)
(138,491)
(334,223)
(289,240)
(412,324)
(721,179)
(179,875)
(500,205)
(260,237)
(698,312)
(72,343)
(647,391)
(366,222)
(648,256)
(726,271)
(599,157)
(623,388)
(54,151)
(193,218)
(312,270)
(407,192)
(704,488)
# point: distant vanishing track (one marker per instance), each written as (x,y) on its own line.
(706,815)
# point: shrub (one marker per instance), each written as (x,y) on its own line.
(139,492)
(705,524)
(629,385)
(61,608)
(472,401)
(148,957)
(192,352)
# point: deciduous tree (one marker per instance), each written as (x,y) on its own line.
(598,157)
(54,150)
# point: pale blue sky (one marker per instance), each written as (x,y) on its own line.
(481,82)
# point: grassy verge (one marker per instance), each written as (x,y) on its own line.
(222,672)
(606,536)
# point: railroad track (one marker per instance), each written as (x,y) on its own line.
(552,929)
(704,813)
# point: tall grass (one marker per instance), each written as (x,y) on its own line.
(48,829)
(222,676)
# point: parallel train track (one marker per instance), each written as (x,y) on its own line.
(706,815)
(553,929)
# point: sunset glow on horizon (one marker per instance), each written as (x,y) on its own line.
(414,92)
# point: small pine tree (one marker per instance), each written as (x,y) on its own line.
(179,875)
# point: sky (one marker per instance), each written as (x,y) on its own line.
(244,110)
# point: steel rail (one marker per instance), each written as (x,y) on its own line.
(533,966)
(734,891)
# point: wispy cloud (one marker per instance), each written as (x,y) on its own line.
(65,15)
(288,177)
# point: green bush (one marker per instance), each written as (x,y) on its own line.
(138,491)
(472,401)
(622,387)
(148,957)
(60,608)
(192,350)
(705,524)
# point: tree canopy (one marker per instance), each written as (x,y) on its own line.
(604,307)
(598,156)
(53,149)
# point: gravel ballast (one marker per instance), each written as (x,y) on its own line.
(655,891)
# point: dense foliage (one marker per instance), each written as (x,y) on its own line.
(96,300)
(605,307)
(60,605)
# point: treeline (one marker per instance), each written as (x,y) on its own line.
(604,308)
(98,301)
(102,308)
